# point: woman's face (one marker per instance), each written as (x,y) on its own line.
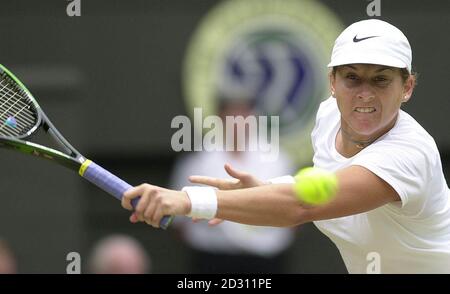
(369,97)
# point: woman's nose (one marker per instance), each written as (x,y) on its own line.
(366,93)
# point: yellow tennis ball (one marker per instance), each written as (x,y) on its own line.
(315,186)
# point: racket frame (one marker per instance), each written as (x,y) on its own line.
(73,160)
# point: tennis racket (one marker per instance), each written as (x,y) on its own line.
(20,118)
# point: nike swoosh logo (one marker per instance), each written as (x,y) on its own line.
(355,39)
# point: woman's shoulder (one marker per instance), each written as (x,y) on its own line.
(410,129)
(409,137)
(327,106)
(328,109)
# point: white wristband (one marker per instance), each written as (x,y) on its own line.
(203,202)
(283,180)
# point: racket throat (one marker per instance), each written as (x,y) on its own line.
(61,142)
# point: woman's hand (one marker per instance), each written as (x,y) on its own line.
(241,180)
(155,203)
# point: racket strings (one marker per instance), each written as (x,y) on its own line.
(17,113)
(17,100)
(14,101)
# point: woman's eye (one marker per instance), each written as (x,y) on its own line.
(352,77)
(382,81)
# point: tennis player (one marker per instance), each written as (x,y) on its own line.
(393,198)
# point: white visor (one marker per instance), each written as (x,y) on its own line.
(372,42)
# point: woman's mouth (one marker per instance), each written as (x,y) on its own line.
(365,109)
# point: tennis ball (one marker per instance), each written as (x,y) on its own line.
(315,186)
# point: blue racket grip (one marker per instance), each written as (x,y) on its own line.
(115,186)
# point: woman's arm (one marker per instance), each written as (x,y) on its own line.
(276,205)
(359,190)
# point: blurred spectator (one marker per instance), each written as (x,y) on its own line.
(7,259)
(119,254)
(231,247)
